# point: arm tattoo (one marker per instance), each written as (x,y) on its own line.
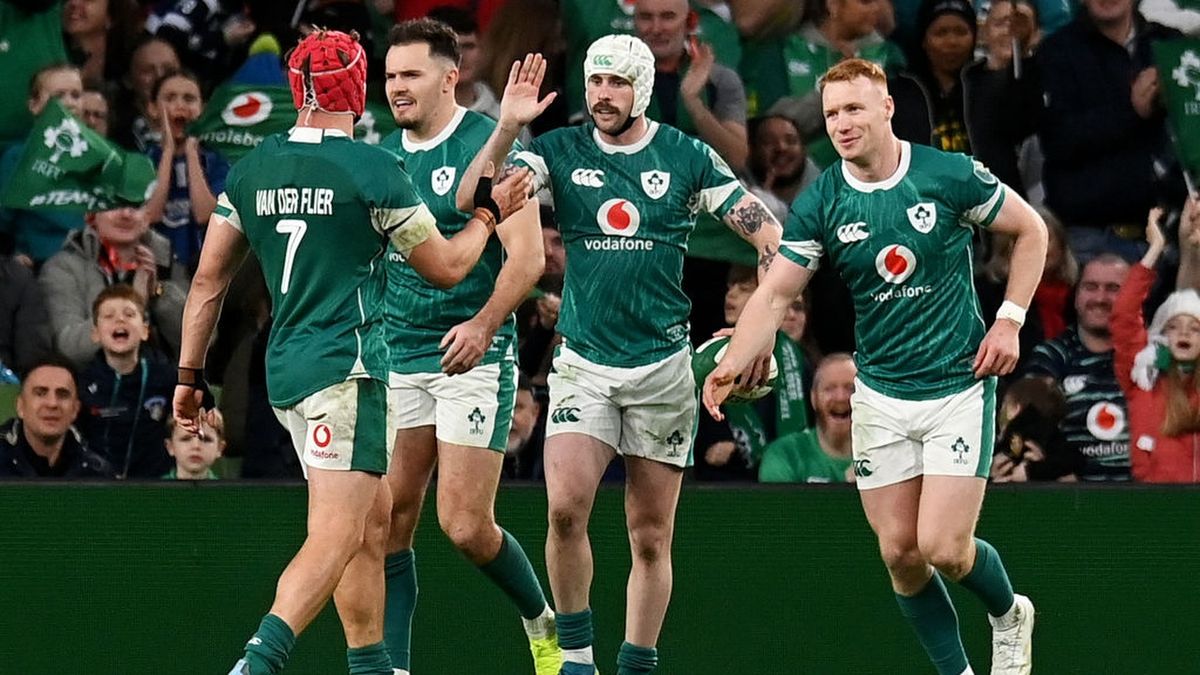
(749,216)
(768,255)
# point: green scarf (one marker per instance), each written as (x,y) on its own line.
(791,410)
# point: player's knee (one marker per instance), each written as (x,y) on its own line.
(468,532)
(900,558)
(650,543)
(567,522)
(947,555)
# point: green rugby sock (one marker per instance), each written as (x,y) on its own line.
(933,618)
(635,660)
(268,650)
(988,580)
(511,572)
(369,660)
(400,602)
(575,636)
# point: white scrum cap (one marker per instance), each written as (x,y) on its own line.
(626,57)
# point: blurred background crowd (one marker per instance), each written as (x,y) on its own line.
(1062,99)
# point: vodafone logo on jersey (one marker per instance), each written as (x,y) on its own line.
(618,217)
(247,109)
(896,263)
(1106,421)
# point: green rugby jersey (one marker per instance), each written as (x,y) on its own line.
(318,223)
(904,247)
(417,313)
(625,213)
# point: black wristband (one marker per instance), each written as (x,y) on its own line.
(483,197)
(191,377)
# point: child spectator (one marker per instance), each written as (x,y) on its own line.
(189,176)
(37,235)
(1031,446)
(732,449)
(1157,367)
(195,454)
(126,390)
(1053,295)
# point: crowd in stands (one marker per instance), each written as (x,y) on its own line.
(1061,100)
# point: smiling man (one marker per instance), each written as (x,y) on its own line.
(453,377)
(40,442)
(627,191)
(896,222)
(820,454)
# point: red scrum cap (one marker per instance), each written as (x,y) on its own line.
(328,71)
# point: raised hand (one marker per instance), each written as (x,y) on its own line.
(520,105)
(699,70)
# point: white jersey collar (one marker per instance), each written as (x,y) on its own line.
(887,183)
(313,134)
(632,148)
(410,145)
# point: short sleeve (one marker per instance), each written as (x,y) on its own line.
(226,210)
(718,188)
(397,211)
(533,159)
(977,193)
(803,232)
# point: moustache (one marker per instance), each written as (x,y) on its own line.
(601,108)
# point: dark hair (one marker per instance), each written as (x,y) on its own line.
(184,73)
(120,292)
(441,38)
(741,274)
(1040,393)
(459,19)
(52,360)
(35,82)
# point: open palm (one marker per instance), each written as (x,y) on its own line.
(520,104)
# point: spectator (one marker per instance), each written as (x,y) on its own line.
(820,454)
(1081,362)
(471,91)
(152,59)
(525,26)
(126,389)
(205,35)
(40,442)
(117,247)
(1031,444)
(37,235)
(97,34)
(795,326)
(732,450)
(189,176)
(779,163)
(93,110)
(715,26)
(692,92)
(991,283)
(1099,82)
(1181,15)
(194,454)
(524,450)
(1058,277)
(952,101)
(789,66)
(24,330)
(1157,367)
(537,318)
(31,31)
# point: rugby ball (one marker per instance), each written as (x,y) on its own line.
(709,354)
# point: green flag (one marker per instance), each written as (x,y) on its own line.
(67,166)
(238,117)
(1179,72)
